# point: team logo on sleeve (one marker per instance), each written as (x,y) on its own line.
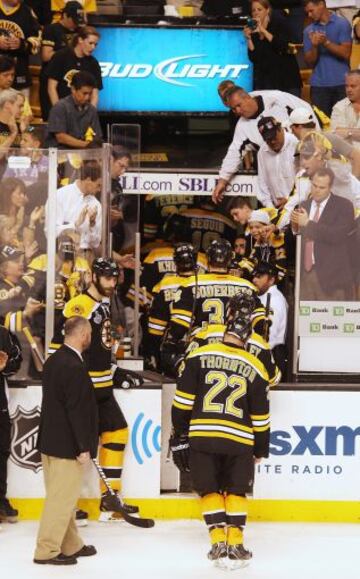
(25,429)
(106,335)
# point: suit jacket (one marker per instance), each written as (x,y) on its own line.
(331,235)
(69,416)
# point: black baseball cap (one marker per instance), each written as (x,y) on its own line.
(268,127)
(75,11)
(8,252)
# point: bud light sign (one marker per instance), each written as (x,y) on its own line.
(170,69)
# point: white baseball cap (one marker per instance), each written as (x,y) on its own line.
(260,216)
(301,116)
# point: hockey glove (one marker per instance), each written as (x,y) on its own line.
(179,446)
(127,379)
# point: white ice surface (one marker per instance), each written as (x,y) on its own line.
(177,550)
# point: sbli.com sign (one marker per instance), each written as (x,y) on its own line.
(314,447)
(170,69)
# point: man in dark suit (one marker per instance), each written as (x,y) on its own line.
(68,438)
(326,222)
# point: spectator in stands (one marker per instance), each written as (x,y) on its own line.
(42,9)
(74,121)
(19,38)
(249,108)
(55,37)
(120,161)
(266,245)
(222,89)
(9,111)
(327,49)
(269,49)
(325,221)
(66,62)
(89,6)
(276,164)
(13,199)
(265,279)
(240,246)
(345,120)
(77,208)
(7,77)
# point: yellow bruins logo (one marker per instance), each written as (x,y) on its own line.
(70,75)
(12,28)
(77,310)
(106,335)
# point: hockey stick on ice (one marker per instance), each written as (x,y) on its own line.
(116,504)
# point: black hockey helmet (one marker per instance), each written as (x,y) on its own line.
(240,305)
(240,327)
(184,258)
(105,266)
(219,253)
(176,228)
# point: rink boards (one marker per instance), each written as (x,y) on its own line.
(312,473)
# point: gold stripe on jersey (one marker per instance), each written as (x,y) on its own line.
(101,379)
(261,422)
(157,327)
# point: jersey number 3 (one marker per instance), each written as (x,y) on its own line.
(219,381)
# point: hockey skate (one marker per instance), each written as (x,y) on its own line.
(238,557)
(108,508)
(81,518)
(218,554)
(7,513)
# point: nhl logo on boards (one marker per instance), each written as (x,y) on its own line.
(25,428)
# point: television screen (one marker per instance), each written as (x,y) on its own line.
(169,69)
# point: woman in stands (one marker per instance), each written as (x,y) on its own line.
(269,49)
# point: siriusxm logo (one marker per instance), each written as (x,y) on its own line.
(173,69)
(315,440)
(145,438)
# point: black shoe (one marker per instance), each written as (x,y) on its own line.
(81,518)
(60,559)
(238,556)
(218,554)
(85,551)
(7,513)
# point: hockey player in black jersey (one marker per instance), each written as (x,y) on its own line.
(202,300)
(94,305)
(221,428)
(164,292)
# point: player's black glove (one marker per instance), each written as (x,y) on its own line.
(127,379)
(179,446)
(172,354)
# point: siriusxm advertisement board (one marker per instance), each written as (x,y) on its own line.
(169,69)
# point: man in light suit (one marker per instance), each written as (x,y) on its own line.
(326,223)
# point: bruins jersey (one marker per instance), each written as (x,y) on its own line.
(222,401)
(205,298)
(159,262)
(256,345)
(21,22)
(13,298)
(98,355)
(158,208)
(273,252)
(163,295)
(202,226)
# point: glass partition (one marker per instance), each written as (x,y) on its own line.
(24,174)
(325,217)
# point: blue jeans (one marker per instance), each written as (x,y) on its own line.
(325,97)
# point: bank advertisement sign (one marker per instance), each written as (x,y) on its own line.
(330,319)
(169,69)
(314,448)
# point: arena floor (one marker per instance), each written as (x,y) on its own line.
(177,550)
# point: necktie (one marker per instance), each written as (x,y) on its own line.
(309,244)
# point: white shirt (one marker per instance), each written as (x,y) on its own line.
(277,104)
(276,171)
(344,115)
(70,201)
(278,315)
